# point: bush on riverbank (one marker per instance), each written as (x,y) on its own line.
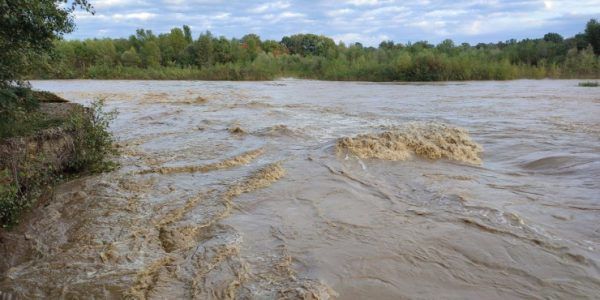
(421,67)
(41,143)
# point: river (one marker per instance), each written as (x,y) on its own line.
(316,190)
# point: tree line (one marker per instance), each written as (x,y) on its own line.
(177,55)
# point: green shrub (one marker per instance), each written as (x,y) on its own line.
(10,201)
(93,142)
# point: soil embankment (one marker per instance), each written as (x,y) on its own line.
(30,163)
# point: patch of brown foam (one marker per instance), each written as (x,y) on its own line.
(177,213)
(428,140)
(235,161)
(219,271)
(165,98)
(236,130)
(197,100)
(259,179)
(155,97)
(251,104)
(280,130)
(184,237)
(175,238)
(280,281)
(146,279)
(307,289)
(109,254)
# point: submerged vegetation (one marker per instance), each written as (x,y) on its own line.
(176,55)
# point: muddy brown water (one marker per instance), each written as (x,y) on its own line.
(309,189)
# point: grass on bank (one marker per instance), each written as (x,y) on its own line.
(24,180)
(20,114)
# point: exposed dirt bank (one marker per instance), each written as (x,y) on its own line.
(29,164)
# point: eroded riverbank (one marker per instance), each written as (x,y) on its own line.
(308,189)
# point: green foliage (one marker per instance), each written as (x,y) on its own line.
(150,54)
(93,144)
(13,99)
(202,50)
(28,28)
(130,58)
(582,63)
(310,44)
(24,176)
(23,179)
(10,201)
(317,57)
(19,115)
(589,84)
(553,37)
(187,32)
(592,34)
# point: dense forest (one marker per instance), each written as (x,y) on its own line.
(177,55)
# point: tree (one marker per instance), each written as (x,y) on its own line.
(446,46)
(29,28)
(141,36)
(172,45)
(592,34)
(274,47)
(203,50)
(188,34)
(130,58)
(310,44)
(150,54)
(553,37)
(106,53)
(222,50)
(387,45)
(251,44)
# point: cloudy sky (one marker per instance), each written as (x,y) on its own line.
(365,21)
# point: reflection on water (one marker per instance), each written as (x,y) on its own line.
(309,189)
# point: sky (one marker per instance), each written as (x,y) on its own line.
(366,21)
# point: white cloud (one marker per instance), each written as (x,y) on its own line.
(366,39)
(277,5)
(367,21)
(190,2)
(221,16)
(82,15)
(386,10)
(473,28)
(363,2)
(438,28)
(101,4)
(339,12)
(142,16)
(289,15)
(286,15)
(446,13)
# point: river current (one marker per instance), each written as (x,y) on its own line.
(318,190)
